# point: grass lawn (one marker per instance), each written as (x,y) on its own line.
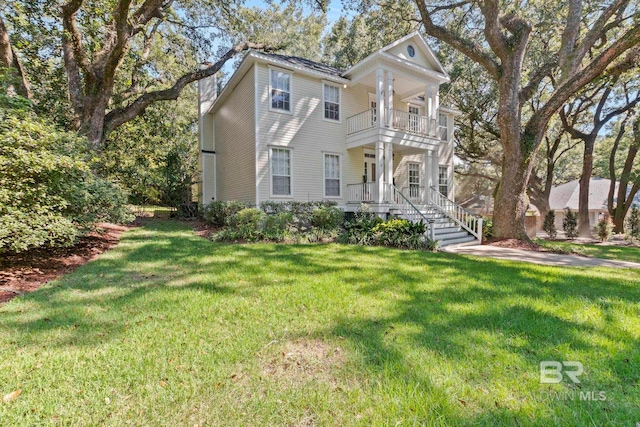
(622,253)
(171,329)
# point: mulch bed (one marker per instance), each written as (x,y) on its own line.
(26,272)
(515,244)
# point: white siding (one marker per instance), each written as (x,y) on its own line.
(235,143)
(309,136)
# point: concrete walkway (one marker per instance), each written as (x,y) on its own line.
(545,258)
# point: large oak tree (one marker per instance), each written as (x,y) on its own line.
(520,47)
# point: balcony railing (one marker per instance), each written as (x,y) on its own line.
(366,192)
(362,121)
(401,120)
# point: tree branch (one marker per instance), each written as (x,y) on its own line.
(466,47)
(119,116)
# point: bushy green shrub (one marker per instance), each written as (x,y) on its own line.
(276,227)
(359,230)
(247,223)
(570,223)
(302,211)
(633,223)
(487,228)
(549,224)
(327,218)
(219,213)
(401,233)
(604,228)
(48,192)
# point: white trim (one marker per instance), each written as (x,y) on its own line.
(281,196)
(215,178)
(339,87)
(257,128)
(290,74)
(324,175)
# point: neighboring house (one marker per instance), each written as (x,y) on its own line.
(567,196)
(285,128)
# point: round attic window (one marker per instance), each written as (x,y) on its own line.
(411,51)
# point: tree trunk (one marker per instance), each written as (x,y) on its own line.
(9,60)
(584,226)
(511,204)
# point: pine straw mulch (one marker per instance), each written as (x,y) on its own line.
(26,272)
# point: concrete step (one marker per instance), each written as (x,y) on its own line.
(447,230)
(469,239)
(451,235)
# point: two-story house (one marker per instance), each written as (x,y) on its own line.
(286,128)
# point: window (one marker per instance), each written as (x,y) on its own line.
(281,172)
(411,51)
(332,175)
(280,90)
(443,180)
(443,127)
(331,102)
(414,181)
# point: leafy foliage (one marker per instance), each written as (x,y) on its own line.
(549,224)
(570,223)
(633,223)
(327,218)
(48,192)
(219,213)
(367,229)
(604,228)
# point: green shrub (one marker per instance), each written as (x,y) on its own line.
(570,223)
(276,226)
(247,223)
(633,223)
(401,233)
(359,230)
(604,228)
(549,224)
(302,211)
(327,218)
(219,213)
(487,228)
(49,194)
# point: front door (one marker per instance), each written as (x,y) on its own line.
(369,172)
(414,114)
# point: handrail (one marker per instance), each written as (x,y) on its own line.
(412,213)
(465,219)
(363,192)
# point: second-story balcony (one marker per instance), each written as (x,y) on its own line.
(409,127)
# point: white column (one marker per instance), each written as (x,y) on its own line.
(435,162)
(380,97)
(389,93)
(388,156)
(380,170)
(428,98)
(425,175)
(435,104)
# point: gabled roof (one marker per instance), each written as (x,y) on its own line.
(419,42)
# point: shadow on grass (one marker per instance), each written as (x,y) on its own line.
(449,304)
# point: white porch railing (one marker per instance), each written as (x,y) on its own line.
(366,192)
(414,193)
(401,120)
(361,121)
(464,218)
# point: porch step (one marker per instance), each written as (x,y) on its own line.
(452,235)
(469,239)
